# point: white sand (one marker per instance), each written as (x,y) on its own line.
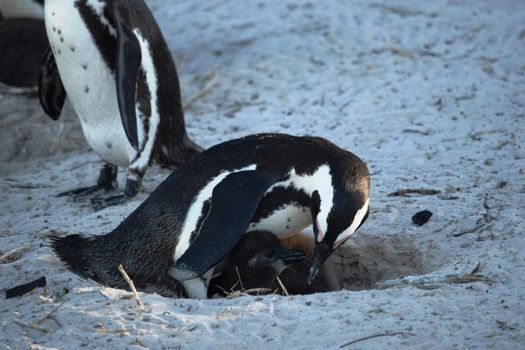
(429,95)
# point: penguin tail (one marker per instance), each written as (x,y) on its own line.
(76,252)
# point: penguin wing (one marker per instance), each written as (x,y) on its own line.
(51,91)
(128,61)
(233,204)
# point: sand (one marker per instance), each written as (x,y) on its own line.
(430,95)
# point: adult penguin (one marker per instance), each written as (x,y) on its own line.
(110,58)
(267,182)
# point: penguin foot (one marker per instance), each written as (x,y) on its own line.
(133,185)
(107,181)
(85,191)
(98,203)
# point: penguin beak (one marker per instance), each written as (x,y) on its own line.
(321,253)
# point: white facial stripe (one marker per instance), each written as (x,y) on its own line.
(320,180)
(196,208)
(358,218)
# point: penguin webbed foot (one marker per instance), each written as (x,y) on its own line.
(133,185)
(107,181)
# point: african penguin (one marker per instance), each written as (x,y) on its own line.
(328,279)
(23,42)
(254,263)
(267,182)
(110,58)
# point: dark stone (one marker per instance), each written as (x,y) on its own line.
(420,218)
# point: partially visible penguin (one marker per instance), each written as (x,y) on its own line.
(110,58)
(194,219)
(294,278)
(254,263)
(23,41)
(22,9)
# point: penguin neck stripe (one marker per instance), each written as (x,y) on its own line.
(359,216)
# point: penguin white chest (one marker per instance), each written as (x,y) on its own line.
(87,78)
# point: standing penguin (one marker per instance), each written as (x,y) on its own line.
(254,263)
(110,58)
(23,41)
(267,182)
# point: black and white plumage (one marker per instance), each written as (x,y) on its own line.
(268,182)
(110,58)
(23,41)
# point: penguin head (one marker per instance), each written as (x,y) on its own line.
(344,211)
(260,256)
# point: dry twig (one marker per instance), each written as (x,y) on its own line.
(237,294)
(131,286)
(469,230)
(14,254)
(281,284)
(377,336)
(33,326)
(429,281)
(211,82)
(239,276)
(406,192)
(50,315)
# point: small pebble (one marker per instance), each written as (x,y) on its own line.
(420,218)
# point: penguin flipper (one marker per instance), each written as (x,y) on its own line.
(51,91)
(128,60)
(234,202)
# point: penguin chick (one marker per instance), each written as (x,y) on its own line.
(294,278)
(254,263)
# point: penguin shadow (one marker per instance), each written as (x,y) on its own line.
(366,260)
